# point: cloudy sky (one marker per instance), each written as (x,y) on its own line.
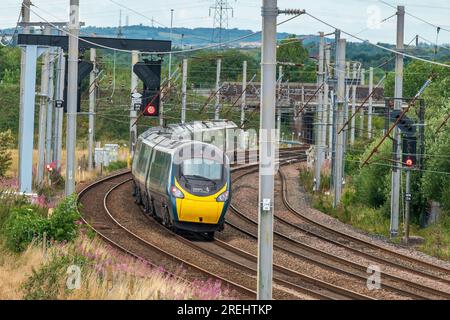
(360,17)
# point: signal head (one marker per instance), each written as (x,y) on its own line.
(409,162)
(150,110)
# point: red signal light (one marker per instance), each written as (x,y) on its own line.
(409,163)
(150,110)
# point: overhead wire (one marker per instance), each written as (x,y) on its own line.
(378,45)
(156,52)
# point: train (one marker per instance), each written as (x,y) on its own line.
(182,175)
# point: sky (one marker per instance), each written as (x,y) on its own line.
(360,17)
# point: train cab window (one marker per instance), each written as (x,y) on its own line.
(202,168)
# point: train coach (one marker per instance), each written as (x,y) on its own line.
(185,184)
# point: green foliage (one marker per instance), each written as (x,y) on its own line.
(28,223)
(48,282)
(8,202)
(415,75)
(202,68)
(437,238)
(372,181)
(115,166)
(291,50)
(62,226)
(24,225)
(436,185)
(6,143)
(9,65)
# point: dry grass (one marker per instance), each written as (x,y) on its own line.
(15,269)
(106,275)
(81,176)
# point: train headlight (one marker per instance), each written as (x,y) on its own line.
(223,197)
(177,193)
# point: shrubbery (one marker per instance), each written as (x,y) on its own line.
(117,165)
(27,223)
(24,225)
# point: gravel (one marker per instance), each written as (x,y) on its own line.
(245,197)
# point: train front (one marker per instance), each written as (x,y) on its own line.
(200,188)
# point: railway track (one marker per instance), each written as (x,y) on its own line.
(108,226)
(287,282)
(380,253)
(97,216)
(283,276)
(284,243)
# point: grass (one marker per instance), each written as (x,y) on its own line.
(105,275)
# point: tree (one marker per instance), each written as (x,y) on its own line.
(202,67)
(9,65)
(6,143)
(291,50)
(434,183)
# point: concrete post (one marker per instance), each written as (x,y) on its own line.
(328,115)
(92,98)
(369,116)
(26,30)
(59,112)
(320,145)
(338,172)
(267,149)
(244,94)
(183,91)
(407,205)
(50,107)
(217,106)
(45,74)
(353,121)
(396,172)
(27,120)
(72,97)
(133,112)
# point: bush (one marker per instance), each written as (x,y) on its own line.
(9,201)
(117,165)
(62,226)
(28,223)
(24,225)
(372,183)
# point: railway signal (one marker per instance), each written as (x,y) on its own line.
(150,74)
(409,151)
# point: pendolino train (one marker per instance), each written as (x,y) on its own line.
(183,182)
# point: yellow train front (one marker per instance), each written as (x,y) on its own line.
(184,184)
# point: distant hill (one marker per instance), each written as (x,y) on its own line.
(201,37)
(180,36)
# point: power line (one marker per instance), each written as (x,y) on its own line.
(138,13)
(157,53)
(379,46)
(391,166)
(418,18)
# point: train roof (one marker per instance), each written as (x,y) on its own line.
(163,142)
(192,127)
(196,126)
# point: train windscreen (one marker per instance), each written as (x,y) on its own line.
(202,168)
